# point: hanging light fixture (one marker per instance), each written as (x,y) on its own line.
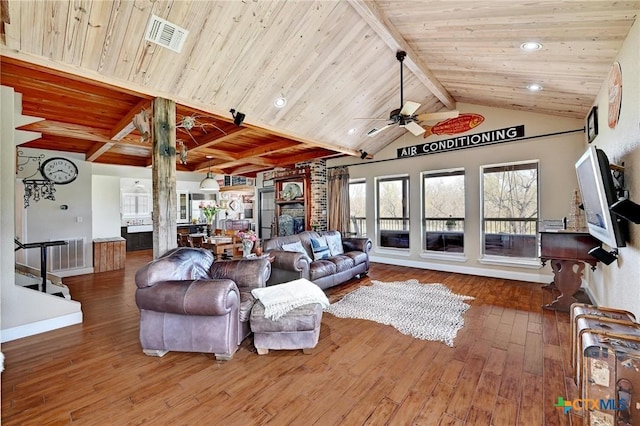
(209,183)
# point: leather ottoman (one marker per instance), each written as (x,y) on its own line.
(297,329)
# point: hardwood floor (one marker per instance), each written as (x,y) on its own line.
(509,365)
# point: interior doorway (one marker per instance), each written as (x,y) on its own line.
(266,211)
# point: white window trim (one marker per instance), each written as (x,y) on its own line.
(504,260)
(433,254)
(438,255)
(516,262)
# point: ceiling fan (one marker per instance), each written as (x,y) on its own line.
(405,115)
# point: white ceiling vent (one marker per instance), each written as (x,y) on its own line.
(165,34)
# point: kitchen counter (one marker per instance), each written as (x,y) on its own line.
(132,229)
(139,238)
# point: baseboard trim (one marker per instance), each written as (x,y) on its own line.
(9,334)
(543,278)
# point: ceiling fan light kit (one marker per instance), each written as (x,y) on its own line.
(405,115)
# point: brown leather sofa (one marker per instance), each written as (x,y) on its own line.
(328,272)
(188,303)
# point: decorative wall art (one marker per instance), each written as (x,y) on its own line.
(592,124)
(615,94)
(292,191)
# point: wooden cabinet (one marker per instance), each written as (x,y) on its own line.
(292,205)
(137,240)
(108,254)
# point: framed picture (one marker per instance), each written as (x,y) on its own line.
(592,124)
(267,183)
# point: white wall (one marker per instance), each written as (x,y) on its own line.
(105,206)
(108,181)
(617,285)
(557,179)
(23,311)
(46,221)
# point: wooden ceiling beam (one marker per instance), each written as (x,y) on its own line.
(68,130)
(97,150)
(305,156)
(219,154)
(214,139)
(247,170)
(263,162)
(374,16)
(125,125)
(270,148)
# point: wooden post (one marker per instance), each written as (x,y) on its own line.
(164,176)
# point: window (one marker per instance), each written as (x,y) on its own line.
(444,211)
(358,207)
(134,205)
(392,197)
(510,210)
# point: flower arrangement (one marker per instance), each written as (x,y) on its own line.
(248,235)
(209,210)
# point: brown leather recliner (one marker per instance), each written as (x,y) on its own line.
(188,303)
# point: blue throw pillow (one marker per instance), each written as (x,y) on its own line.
(320,248)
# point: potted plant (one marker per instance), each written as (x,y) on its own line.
(450,224)
(248,239)
(209,210)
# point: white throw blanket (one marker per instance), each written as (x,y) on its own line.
(280,299)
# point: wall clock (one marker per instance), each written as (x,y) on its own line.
(59,170)
(615,94)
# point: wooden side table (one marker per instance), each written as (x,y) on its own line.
(568,252)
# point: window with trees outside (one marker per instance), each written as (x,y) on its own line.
(358,207)
(444,211)
(510,210)
(392,205)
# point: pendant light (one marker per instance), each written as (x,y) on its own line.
(209,183)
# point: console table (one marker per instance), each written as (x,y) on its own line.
(568,252)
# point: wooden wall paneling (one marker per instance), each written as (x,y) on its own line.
(115,36)
(133,27)
(98,28)
(78,26)
(56,14)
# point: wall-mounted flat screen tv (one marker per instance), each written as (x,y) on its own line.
(598,193)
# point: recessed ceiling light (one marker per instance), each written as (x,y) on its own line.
(352,131)
(534,87)
(530,46)
(280,102)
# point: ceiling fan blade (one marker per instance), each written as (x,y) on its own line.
(371,133)
(409,108)
(414,128)
(434,116)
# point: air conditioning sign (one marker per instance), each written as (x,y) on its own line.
(462,142)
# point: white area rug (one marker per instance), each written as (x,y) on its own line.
(424,311)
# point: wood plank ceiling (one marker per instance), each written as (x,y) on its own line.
(86,68)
